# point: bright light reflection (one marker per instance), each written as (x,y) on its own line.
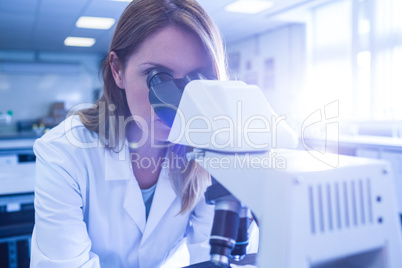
(364,26)
(79,41)
(95,23)
(364,58)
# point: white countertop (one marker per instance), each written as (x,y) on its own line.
(373,141)
(16,179)
(13,144)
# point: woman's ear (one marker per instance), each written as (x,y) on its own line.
(117,69)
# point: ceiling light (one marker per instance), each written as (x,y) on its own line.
(95,23)
(79,41)
(249,6)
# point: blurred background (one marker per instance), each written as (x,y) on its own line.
(332,67)
(304,54)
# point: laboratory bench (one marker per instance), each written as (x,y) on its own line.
(17,178)
(17,163)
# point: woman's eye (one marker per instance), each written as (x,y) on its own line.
(147,71)
(210,77)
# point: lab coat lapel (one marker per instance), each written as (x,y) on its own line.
(163,199)
(118,167)
(134,204)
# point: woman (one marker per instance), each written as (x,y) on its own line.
(110,190)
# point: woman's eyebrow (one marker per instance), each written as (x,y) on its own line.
(158,65)
(155,65)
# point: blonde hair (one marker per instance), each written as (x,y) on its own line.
(140,19)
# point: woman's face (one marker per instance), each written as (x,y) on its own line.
(173,48)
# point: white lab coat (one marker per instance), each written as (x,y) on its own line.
(90,212)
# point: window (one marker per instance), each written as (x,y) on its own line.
(355,56)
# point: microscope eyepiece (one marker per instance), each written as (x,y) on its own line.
(158,76)
(165,92)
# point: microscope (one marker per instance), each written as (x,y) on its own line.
(310,214)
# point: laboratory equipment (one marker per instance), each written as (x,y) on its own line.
(17,176)
(310,214)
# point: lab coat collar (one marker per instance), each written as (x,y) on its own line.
(163,199)
(118,165)
(134,204)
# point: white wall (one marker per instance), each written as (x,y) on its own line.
(30,94)
(282,80)
(30,82)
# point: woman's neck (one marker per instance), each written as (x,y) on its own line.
(146,158)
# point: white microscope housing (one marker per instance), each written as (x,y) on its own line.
(310,214)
